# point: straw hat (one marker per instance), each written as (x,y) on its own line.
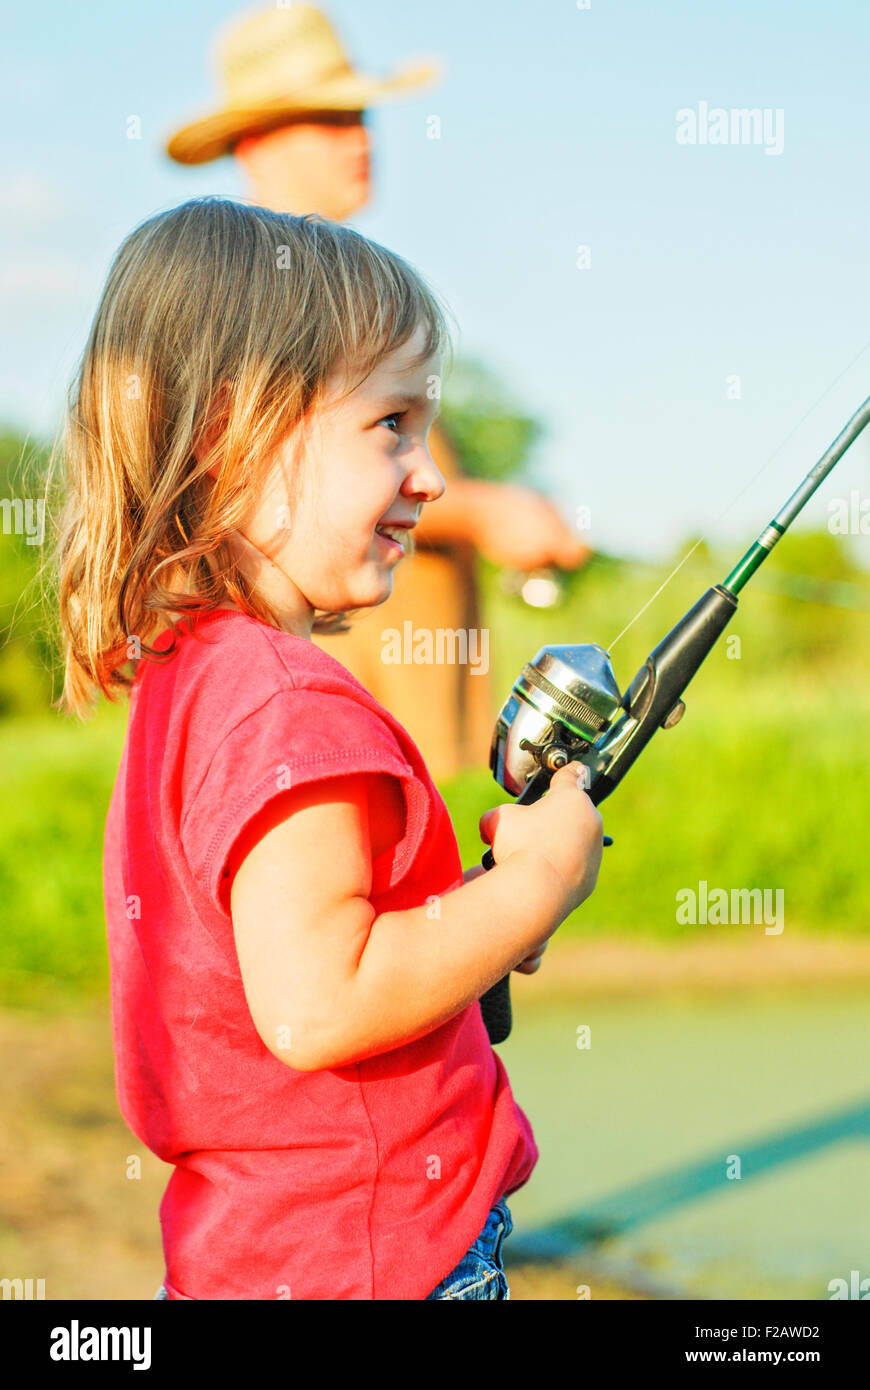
(280,62)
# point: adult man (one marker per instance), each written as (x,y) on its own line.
(294,118)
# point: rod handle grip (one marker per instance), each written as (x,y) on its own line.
(495,1004)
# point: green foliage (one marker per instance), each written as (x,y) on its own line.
(491,437)
(30,665)
(778,803)
(804,616)
(57,777)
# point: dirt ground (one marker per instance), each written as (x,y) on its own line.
(74,1213)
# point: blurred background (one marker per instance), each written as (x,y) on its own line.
(672,381)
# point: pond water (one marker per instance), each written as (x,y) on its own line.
(720,1145)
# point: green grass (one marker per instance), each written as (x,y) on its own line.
(779,803)
(57,778)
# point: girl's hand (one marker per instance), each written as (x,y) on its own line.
(563,827)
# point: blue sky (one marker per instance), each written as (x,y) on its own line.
(558,129)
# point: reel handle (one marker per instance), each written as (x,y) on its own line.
(495,1005)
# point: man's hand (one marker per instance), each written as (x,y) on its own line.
(519,528)
(512,526)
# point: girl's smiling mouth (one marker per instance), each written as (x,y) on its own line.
(392,537)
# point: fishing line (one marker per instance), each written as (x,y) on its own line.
(803,588)
(743,490)
(642,610)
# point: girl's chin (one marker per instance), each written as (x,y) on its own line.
(367,594)
(381,593)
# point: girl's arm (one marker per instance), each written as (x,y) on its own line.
(330,983)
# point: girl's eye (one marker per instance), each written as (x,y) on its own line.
(396,415)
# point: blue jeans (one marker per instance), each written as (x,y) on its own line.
(479,1273)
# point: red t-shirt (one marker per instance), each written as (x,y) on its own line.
(363,1182)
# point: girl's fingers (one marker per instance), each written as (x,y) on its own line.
(529,966)
(485,825)
(532,962)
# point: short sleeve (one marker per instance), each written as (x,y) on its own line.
(295,737)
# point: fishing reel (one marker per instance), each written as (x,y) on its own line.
(565,706)
(564,699)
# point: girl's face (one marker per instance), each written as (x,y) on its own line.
(360,463)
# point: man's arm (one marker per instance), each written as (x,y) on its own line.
(510,525)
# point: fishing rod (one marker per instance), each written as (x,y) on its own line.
(565,706)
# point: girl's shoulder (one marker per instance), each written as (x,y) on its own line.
(243,712)
(246,655)
(230,671)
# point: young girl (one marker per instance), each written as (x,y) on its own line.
(296,956)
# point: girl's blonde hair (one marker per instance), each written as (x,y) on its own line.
(213,294)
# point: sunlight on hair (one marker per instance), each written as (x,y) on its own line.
(218,328)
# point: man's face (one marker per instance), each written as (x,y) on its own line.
(316,162)
(361,461)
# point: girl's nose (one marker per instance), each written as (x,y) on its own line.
(423,477)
